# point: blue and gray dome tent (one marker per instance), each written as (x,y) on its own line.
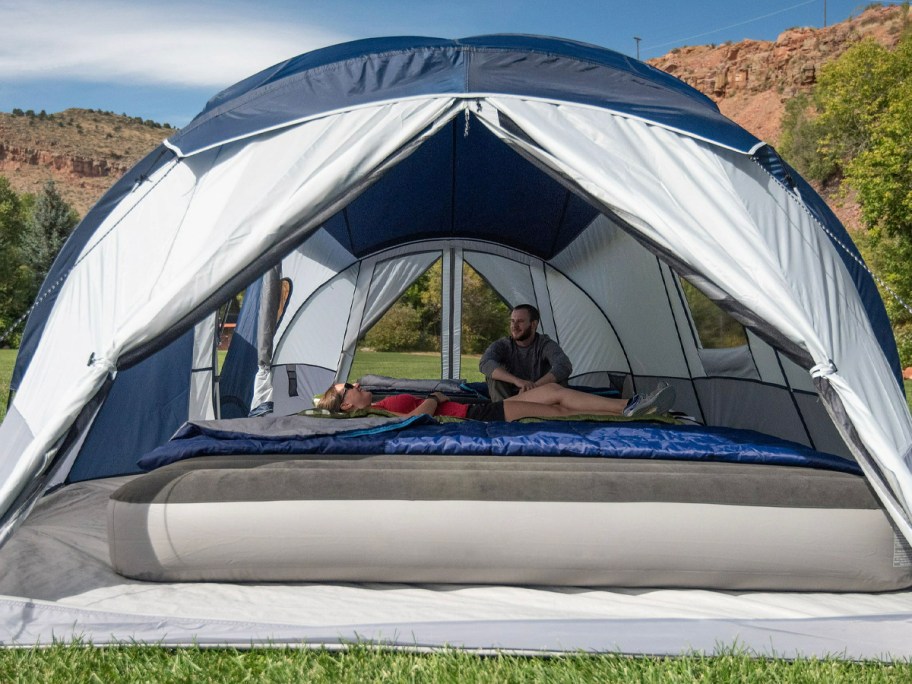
(567,175)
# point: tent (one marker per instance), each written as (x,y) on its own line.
(566,175)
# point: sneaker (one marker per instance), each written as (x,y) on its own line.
(660,400)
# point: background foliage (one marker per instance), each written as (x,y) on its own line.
(32,231)
(715,328)
(413,322)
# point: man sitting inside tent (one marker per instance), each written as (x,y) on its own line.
(525,359)
(547,401)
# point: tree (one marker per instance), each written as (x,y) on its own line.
(890,256)
(715,328)
(882,173)
(822,136)
(798,142)
(413,322)
(15,286)
(49,225)
(398,330)
(485,316)
(851,94)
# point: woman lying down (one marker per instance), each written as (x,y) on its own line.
(546,401)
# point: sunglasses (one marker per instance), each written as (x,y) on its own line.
(347,386)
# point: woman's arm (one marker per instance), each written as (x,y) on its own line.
(429,405)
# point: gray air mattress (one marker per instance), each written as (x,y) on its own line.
(505,520)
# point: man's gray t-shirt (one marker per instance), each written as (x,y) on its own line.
(529,363)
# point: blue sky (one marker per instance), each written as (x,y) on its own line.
(162,60)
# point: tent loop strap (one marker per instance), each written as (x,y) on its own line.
(822,370)
(102,362)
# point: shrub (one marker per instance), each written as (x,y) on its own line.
(903,335)
(399,330)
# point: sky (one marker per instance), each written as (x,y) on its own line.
(163,60)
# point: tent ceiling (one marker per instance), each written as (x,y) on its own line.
(467,186)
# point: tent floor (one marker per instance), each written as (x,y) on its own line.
(57,583)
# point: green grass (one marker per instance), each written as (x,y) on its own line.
(408,365)
(7,359)
(396,365)
(360,664)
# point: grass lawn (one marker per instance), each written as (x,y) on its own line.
(396,365)
(60,663)
(405,365)
(360,664)
(7,359)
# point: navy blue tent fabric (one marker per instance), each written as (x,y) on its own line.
(143,409)
(383,69)
(466,186)
(237,375)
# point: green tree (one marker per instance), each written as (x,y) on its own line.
(49,225)
(890,257)
(823,134)
(850,96)
(413,322)
(15,282)
(882,173)
(398,330)
(485,316)
(798,142)
(715,328)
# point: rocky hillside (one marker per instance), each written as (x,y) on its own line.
(83,151)
(86,151)
(751,80)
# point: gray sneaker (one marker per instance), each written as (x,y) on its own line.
(660,400)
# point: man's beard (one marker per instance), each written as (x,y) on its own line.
(526,335)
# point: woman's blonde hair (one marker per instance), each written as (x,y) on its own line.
(331,400)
